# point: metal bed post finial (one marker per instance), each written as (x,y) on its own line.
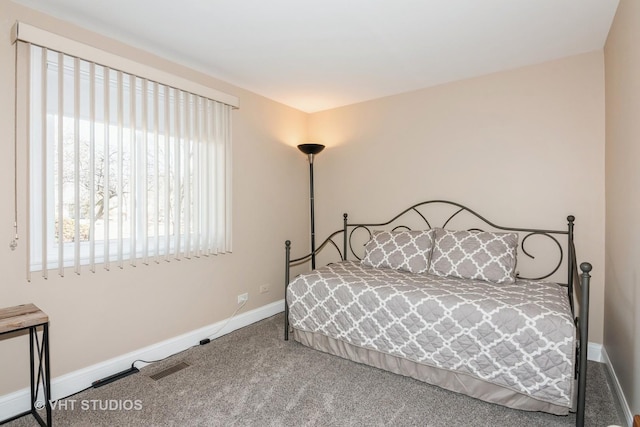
(287,257)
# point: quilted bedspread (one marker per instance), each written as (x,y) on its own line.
(519,336)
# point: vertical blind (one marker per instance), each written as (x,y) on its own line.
(122,169)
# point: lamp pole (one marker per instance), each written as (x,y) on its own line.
(311,150)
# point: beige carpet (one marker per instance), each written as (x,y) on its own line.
(252,377)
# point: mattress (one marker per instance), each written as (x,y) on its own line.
(511,344)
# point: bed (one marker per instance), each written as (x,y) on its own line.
(440,294)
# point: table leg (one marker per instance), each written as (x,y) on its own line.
(47,377)
(43,377)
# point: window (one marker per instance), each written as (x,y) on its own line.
(122,169)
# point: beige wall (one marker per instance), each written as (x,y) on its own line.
(622,297)
(98,316)
(522,147)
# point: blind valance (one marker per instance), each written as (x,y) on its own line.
(37,36)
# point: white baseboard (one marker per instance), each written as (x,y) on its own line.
(616,384)
(594,352)
(18,402)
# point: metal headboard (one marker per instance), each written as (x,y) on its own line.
(345,242)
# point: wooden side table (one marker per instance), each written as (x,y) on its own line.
(28,316)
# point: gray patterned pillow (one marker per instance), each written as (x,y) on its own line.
(400,250)
(475,255)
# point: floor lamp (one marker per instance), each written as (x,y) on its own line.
(311,150)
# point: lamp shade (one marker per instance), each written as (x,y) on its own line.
(311,148)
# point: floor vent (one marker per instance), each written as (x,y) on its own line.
(170,370)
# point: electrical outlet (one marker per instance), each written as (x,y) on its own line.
(264,289)
(243,298)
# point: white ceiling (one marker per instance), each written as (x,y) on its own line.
(319,54)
